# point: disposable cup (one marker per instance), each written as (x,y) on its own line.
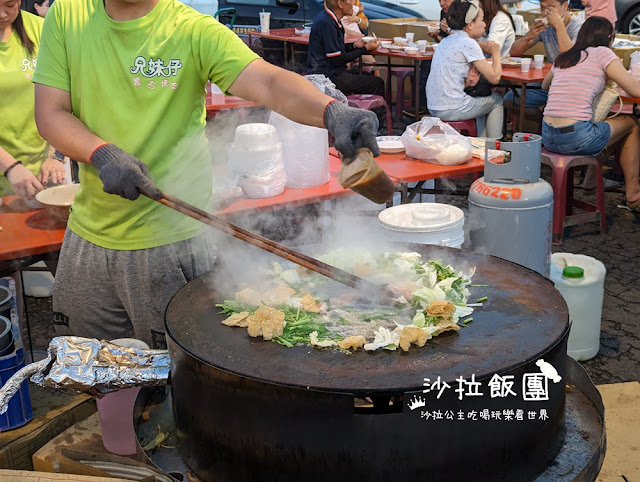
(365,176)
(265,18)
(115,411)
(538,61)
(422,46)
(525,65)
(409,36)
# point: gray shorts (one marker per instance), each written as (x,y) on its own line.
(107,294)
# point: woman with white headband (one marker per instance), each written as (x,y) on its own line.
(456,64)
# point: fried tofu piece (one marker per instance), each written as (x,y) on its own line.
(303,272)
(254,326)
(442,308)
(446,325)
(248,296)
(354,342)
(413,334)
(237,319)
(267,322)
(278,294)
(363,270)
(309,303)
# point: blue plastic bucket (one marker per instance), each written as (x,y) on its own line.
(19,411)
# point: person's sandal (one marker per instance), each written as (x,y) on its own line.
(634,206)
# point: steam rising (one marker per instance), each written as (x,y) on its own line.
(314,229)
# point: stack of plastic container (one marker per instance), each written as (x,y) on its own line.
(256,157)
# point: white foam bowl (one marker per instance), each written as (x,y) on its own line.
(411,50)
(58,199)
(400,41)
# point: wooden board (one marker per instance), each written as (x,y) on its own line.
(622,420)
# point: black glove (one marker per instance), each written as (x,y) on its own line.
(352,128)
(123,174)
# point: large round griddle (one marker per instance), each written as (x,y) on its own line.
(523,317)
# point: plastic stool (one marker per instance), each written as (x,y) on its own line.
(402,73)
(563,201)
(466,127)
(368,102)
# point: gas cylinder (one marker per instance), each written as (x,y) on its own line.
(511,208)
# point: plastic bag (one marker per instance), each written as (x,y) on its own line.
(325,85)
(634,69)
(432,140)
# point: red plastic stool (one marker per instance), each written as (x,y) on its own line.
(368,102)
(401,73)
(563,201)
(466,128)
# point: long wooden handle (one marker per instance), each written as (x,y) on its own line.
(273,247)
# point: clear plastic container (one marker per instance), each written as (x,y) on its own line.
(115,411)
(580,280)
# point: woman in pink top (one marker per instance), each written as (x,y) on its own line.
(577,76)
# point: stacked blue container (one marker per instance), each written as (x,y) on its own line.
(11,360)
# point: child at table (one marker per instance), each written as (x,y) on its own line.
(577,76)
(450,68)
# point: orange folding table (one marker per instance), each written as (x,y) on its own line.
(514,75)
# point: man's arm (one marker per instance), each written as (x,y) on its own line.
(564,41)
(302,102)
(523,44)
(120,172)
(60,127)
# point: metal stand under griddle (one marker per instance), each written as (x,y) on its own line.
(579,459)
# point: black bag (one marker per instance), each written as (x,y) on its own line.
(481,89)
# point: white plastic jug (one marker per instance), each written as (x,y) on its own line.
(580,280)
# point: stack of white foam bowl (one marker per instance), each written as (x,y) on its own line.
(424,223)
(306,152)
(256,157)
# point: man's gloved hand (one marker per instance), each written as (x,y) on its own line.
(123,174)
(352,128)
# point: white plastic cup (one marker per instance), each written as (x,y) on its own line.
(538,61)
(265,18)
(525,65)
(422,46)
(115,411)
(409,36)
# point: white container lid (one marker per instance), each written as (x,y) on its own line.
(422,217)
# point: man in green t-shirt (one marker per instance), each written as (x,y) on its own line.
(120,88)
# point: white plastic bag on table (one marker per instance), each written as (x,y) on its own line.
(432,140)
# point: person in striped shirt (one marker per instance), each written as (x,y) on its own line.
(576,78)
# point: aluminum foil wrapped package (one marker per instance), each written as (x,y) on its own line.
(91,365)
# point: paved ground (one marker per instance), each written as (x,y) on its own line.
(619,357)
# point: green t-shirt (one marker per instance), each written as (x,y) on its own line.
(18,132)
(140,84)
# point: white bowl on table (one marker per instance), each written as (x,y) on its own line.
(385,44)
(411,50)
(57,200)
(368,38)
(400,41)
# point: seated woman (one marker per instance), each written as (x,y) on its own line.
(452,61)
(23,153)
(576,78)
(499,27)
